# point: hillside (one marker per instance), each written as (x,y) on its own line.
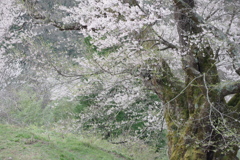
(34,143)
(17,143)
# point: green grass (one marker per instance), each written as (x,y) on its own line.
(36,144)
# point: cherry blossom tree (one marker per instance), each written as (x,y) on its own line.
(7,16)
(186,51)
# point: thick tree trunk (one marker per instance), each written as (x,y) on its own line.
(192,111)
(192,115)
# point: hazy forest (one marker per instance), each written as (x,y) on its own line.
(120,79)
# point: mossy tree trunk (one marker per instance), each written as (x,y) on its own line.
(195,111)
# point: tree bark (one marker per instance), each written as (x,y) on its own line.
(193,110)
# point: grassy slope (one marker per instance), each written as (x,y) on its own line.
(18,143)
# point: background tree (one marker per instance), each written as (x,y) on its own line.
(56,69)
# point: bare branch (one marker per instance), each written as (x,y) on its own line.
(72,26)
(36,14)
(211,14)
(73,75)
(231,21)
(164,42)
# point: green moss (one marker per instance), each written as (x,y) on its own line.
(199,100)
(194,153)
